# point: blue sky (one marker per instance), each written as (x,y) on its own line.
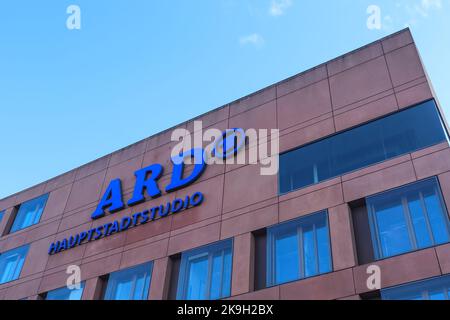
(137,67)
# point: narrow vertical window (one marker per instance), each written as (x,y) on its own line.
(298,249)
(129,284)
(11,264)
(408,218)
(29,213)
(205,273)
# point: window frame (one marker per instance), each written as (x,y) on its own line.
(111,288)
(418,288)
(20,252)
(406,212)
(82,284)
(297,225)
(315,174)
(18,213)
(206,251)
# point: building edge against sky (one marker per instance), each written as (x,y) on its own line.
(246,224)
(247,101)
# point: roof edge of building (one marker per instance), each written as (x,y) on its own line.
(274,85)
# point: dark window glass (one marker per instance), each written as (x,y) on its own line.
(174,267)
(29,213)
(433,289)
(205,273)
(2,213)
(65,293)
(408,218)
(401,133)
(11,263)
(298,249)
(260,260)
(361,232)
(129,284)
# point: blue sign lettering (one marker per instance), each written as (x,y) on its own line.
(126,223)
(112,199)
(147,183)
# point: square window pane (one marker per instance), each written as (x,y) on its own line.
(356,148)
(29,213)
(408,218)
(11,263)
(65,293)
(205,273)
(432,289)
(129,284)
(437,295)
(392,229)
(298,249)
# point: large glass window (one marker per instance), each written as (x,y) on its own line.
(408,218)
(29,213)
(205,273)
(401,133)
(298,249)
(434,289)
(65,293)
(11,263)
(129,284)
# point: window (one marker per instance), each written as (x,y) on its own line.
(298,249)
(392,136)
(11,263)
(205,273)
(407,219)
(29,213)
(434,289)
(2,213)
(129,284)
(361,232)
(65,293)
(260,259)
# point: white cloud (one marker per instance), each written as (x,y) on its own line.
(252,39)
(424,7)
(278,7)
(418,10)
(431,4)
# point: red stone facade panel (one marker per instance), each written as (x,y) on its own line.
(400,270)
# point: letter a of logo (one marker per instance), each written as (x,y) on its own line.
(374,280)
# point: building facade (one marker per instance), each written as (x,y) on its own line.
(362,195)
